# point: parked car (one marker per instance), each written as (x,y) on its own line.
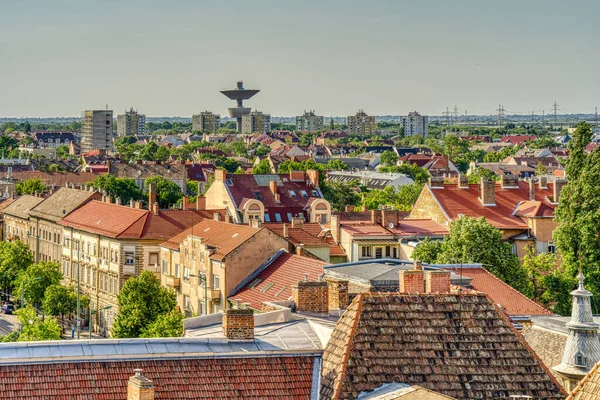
(8,308)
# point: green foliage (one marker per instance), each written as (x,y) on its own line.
(239,148)
(15,258)
(141,301)
(401,197)
(60,300)
(167,192)
(389,158)
(165,325)
(478,173)
(124,140)
(34,329)
(540,169)
(262,150)
(336,165)
(340,194)
(124,188)
(148,152)
(36,279)
(418,174)
(11,337)
(501,155)
(427,251)
(162,154)
(7,143)
(262,168)
(31,186)
(542,143)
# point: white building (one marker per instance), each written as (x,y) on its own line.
(414,124)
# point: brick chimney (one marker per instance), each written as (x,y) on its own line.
(296,176)
(463,182)
(411,281)
(138,204)
(338,294)
(436,182)
(139,387)
(217,216)
(151,196)
(335,228)
(286,233)
(273,187)
(311,296)
(238,324)
(558,185)
(255,223)
(488,192)
(543,182)
(509,181)
(313,176)
(375,217)
(531,189)
(297,222)
(185,204)
(300,249)
(200,203)
(220,175)
(437,281)
(155,208)
(389,217)
(108,199)
(131,203)
(349,208)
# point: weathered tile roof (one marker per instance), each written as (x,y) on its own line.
(459,345)
(21,206)
(274,282)
(56,178)
(61,203)
(143,171)
(278,377)
(589,387)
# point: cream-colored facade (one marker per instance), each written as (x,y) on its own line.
(361,123)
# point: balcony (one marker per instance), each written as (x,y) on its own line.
(172,282)
(215,295)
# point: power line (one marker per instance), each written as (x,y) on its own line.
(555,107)
(455,114)
(447,113)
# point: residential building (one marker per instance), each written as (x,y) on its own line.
(207,261)
(131,123)
(111,243)
(415,124)
(206,121)
(256,121)
(518,140)
(309,122)
(140,171)
(16,218)
(53,139)
(370,179)
(97,130)
(523,211)
(55,180)
(45,234)
(269,198)
(361,123)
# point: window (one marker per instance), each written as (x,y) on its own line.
(315,193)
(267,287)
(366,251)
(292,193)
(229,182)
(579,360)
(551,247)
(257,196)
(255,283)
(378,252)
(290,216)
(186,303)
(128,258)
(387,251)
(395,252)
(514,248)
(216,280)
(303,193)
(153,259)
(165,267)
(267,218)
(176,274)
(186,274)
(277,217)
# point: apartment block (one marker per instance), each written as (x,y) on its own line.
(415,124)
(131,123)
(206,121)
(361,123)
(256,121)
(97,130)
(309,122)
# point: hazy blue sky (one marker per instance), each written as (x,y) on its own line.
(171,57)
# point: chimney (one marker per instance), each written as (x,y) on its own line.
(558,185)
(531,189)
(118,201)
(463,182)
(297,222)
(311,296)
(389,218)
(337,294)
(273,187)
(349,208)
(488,192)
(375,217)
(296,176)
(155,208)
(138,204)
(220,175)
(200,203)
(185,205)
(103,198)
(66,184)
(238,324)
(411,281)
(300,249)
(131,203)
(217,216)
(437,281)
(151,196)
(139,387)
(286,233)
(313,176)
(335,228)
(509,181)
(255,223)
(436,182)
(418,265)
(543,182)
(108,199)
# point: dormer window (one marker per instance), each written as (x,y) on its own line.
(292,193)
(315,193)
(257,196)
(303,193)
(229,182)
(579,360)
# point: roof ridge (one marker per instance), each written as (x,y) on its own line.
(583,381)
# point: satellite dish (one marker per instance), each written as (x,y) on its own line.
(391,225)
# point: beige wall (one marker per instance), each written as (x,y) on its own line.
(542,228)
(49,237)
(427,207)
(16,228)
(217,198)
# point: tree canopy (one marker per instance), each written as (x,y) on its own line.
(30,186)
(15,258)
(36,279)
(124,188)
(168,192)
(34,329)
(165,325)
(263,167)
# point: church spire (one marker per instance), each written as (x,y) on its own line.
(582,349)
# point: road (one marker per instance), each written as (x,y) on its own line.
(8,323)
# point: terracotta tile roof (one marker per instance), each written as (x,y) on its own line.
(307,234)
(456,202)
(419,227)
(223,236)
(533,209)
(62,203)
(458,345)
(510,299)
(275,281)
(364,215)
(277,377)
(21,206)
(124,222)
(199,172)
(517,139)
(364,229)
(56,178)
(589,387)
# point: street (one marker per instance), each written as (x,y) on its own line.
(8,323)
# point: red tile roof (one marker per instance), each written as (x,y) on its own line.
(364,228)
(276,377)
(198,172)
(124,222)
(517,139)
(510,299)
(275,281)
(456,202)
(310,235)
(419,227)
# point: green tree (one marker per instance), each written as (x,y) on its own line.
(389,158)
(340,194)
(336,165)
(148,152)
(262,168)
(400,197)
(34,329)
(124,188)
(167,192)
(141,301)
(418,174)
(31,186)
(540,169)
(478,173)
(36,279)
(15,258)
(262,150)
(427,251)
(162,154)
(59,300)
(165,325)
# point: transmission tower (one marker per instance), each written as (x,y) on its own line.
(447,113)
(555,109)
(467,117)
(501,111)
(596,117)
(455,114)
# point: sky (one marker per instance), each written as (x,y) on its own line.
(171,57)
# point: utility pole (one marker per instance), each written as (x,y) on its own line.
(447,114)
(500,110)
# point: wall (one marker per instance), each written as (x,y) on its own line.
(427,207)
(216,195)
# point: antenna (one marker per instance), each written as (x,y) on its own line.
(501,111)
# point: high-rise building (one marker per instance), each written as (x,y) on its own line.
(415,124)
(361,123)
(206,121)
(256,121)
(97,130)
(309,122)
(131,123)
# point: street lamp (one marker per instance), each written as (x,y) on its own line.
(23,293)
(92,314)
(202,278)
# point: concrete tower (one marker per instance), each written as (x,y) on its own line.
(239,94)
(582,350)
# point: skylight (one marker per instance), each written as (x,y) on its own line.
(229,182)
(277,217)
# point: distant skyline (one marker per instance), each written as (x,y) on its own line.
(171,58)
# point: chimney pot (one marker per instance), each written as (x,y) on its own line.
(286,233)
(151,196)
(217,216)
(140,387)
(300,250)
(543,182)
